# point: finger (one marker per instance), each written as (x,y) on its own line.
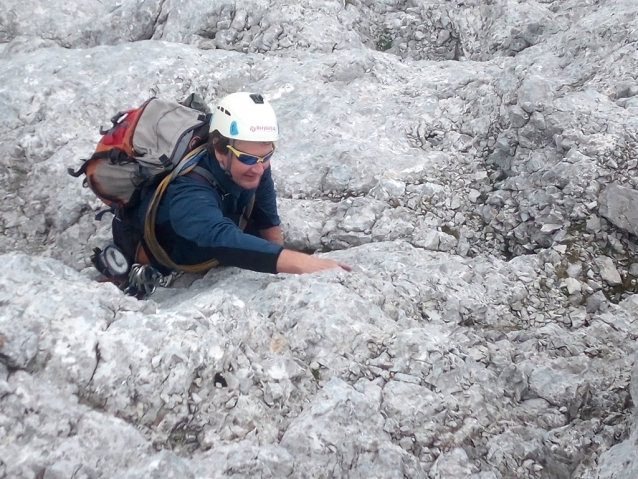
(344,266)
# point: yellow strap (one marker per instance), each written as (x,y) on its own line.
(151,214)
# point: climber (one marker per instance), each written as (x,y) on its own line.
(199,216)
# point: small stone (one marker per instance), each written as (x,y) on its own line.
(406,443)
(576,299)
(518,116)
(406,378)
(608,271)
(155,362)
(550,228)
(578,318)
(516,306)
(593,225)
(616,244)
(573,285)
(595,302)
(574,270)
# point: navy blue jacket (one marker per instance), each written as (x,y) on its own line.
(196,222)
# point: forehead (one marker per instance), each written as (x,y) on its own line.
(258,148)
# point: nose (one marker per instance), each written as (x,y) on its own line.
(258,168)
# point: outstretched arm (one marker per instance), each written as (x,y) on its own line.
(273,235)
(297,263)
(294,262)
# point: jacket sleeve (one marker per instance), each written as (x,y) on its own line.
(195,214)
(264,212)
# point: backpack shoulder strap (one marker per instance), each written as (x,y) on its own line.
(245,215)
(208,176)
(183,167)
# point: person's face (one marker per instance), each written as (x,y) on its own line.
(246,176)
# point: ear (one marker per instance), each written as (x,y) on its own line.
(221,158)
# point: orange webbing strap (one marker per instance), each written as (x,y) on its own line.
(151,215)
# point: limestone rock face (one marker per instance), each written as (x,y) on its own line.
(618,205)
(475,162)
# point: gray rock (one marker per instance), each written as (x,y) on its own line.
(620,461)
(593,224)
(608,270)
(575,270)
(573,285)
(343,422)
(617,204)
(496,134)
(518,116)
(561,384)
(434,240)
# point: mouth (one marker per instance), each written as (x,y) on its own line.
(251,176)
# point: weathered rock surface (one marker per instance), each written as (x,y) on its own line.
(475,162)
(618,205)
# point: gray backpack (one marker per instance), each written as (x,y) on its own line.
(143,144)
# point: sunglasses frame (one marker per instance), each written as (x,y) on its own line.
(257,159)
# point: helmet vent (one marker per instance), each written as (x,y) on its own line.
(257,98)
(223,110)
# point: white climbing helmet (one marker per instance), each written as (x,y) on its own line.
(245,116)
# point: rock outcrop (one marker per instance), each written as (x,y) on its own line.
(476,164)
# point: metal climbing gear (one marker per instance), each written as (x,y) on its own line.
(143,280)
(110,261)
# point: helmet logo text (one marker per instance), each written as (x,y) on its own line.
(262,128)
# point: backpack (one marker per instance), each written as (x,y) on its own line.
(142,144)
(147,147)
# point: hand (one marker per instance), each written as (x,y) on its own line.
(299,263)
